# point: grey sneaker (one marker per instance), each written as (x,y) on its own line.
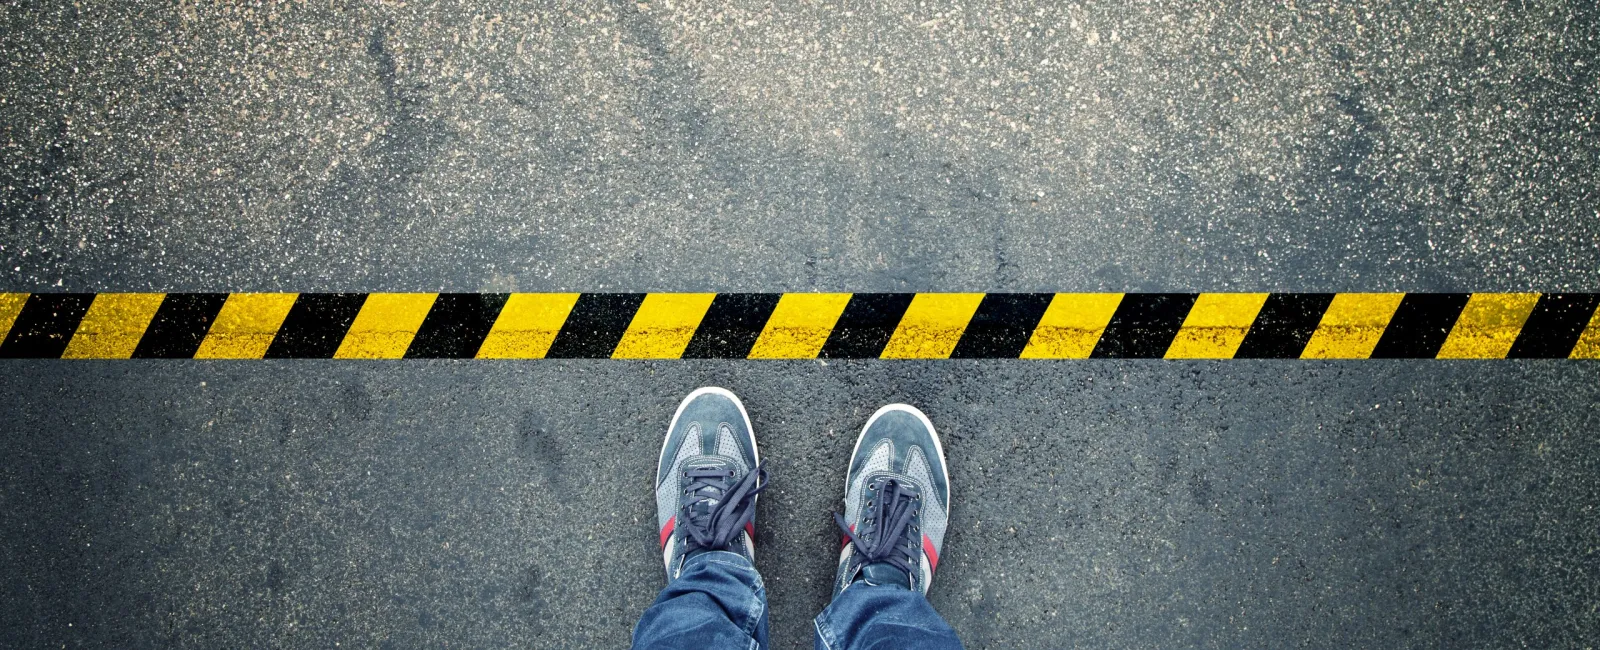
(707,479)
(897,503)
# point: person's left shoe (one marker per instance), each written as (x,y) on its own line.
(707,479)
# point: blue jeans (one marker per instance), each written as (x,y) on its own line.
(719,602)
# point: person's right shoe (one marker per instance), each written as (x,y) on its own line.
(897,503)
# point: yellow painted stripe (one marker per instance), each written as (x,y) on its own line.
(113,325)
(1351,327)
(385,326)
(1488,325)
(799,326)
(246,325)
(662,327)
(1216,325)
(932,326)
(1071,325)
(527,325)
(1588,346)
(10,306)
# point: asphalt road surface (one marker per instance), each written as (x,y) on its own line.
(800,146)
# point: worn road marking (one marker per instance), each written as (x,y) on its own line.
(932,326)
(663,326)
(112,327)
(1488,326)
(1352,325)
(1071,326)
(800,325)
(527,325)
(384,327)
(246,326)
(1216,325)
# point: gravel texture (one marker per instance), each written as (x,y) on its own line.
(473,146)
(772,146)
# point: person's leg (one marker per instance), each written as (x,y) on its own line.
(882,617)
(897,504)
(707,479)
(718,601)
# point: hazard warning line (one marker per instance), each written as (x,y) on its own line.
(800,325)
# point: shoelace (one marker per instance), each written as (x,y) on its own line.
(887,528)
(717,508)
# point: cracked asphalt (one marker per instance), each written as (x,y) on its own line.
(1173,145)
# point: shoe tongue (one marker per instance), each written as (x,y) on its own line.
(713,463)
(885,574)
(709,462)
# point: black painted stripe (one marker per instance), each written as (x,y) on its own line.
(45,325)
(731,326)
(868,322)
(866,325)
(1420,325)
(594,327)
(1144,325)
(1284,326)
(180,324)
(1558,319)
(1002,326)
(456,326)
(315,326)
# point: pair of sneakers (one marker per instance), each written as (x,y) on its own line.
(896,504)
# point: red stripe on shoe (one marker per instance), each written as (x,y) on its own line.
(666,531)
(750,527)
(845,539)
(933,554)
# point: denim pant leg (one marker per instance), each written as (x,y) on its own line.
(867,617)
(717,603)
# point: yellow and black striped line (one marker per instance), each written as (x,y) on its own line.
(800,325)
